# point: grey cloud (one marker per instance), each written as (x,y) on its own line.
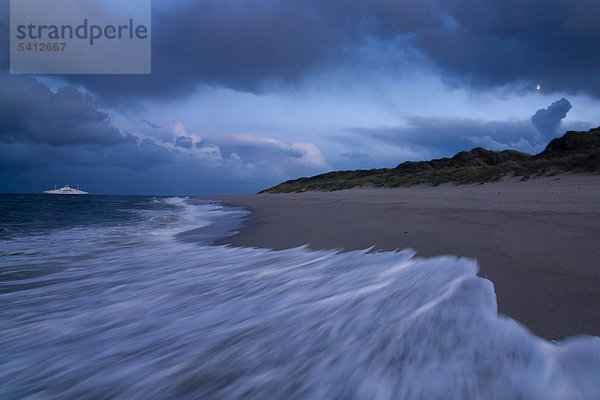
(40,127)
(141,156)
(129,155)
(247,45)
(356,155)
(255,148)
(500,42)
(146,174)
(548,120)
(4,33)
(30,111)
(523,145)
(131,168)
(441,137)
(280,158)
(185,142)
(232,43)
(428,138)
(147,166)
(151,125)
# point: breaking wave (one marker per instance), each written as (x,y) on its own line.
(138,311)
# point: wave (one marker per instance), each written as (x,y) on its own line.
(108,312)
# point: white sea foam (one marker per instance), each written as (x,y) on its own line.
(117,313)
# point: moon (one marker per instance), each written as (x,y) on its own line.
(538,87)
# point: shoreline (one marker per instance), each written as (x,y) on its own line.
(538,241)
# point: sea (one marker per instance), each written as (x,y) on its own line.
(113,297)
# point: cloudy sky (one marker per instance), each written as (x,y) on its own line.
(245,94)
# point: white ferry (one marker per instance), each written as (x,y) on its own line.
(65,190)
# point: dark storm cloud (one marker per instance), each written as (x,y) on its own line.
(4,34)
(233,43)
(356,156)
(247,45)
(34,167)
(151,125)
(441,137)
(30,111)
(553,43)
(184,141)
(135,168)
(39,127)
(548,120)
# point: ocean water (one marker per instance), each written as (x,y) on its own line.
(125,298)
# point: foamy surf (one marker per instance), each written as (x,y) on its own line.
(116,312)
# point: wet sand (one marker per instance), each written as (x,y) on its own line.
(538,241)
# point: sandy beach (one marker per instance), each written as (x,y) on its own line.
(538,240)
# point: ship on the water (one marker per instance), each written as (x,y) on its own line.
(65,190)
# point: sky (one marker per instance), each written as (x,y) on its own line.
(245,94)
